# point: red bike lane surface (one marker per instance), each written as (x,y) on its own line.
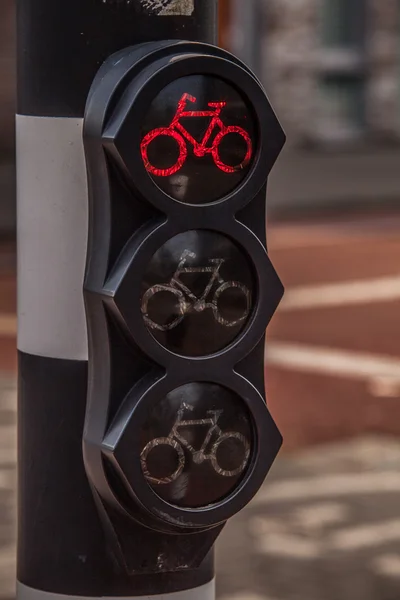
(351,333)
(372,328)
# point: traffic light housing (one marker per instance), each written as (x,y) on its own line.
(179,141)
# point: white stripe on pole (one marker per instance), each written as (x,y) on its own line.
(204,592)
(52,221)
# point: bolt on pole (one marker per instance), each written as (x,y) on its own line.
(62,550)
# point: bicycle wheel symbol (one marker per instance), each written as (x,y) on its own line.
(156,444)
(163,315)
(172,320)
(182,152)
(245,451)
(198,458)
(217,310)
(227,131)
(236,445)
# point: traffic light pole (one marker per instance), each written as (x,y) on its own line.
(61,544)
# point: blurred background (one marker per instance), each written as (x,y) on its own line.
(326,525)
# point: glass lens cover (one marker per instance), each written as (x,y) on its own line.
(196,445)
(198,139)
(198,293)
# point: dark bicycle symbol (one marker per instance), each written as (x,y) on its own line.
(188,302)
(178,442)
(177,132)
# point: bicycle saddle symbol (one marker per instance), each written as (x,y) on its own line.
(182,137)
(176,441)
(188,302)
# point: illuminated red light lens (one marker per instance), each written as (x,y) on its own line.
(178,132)
(217,159)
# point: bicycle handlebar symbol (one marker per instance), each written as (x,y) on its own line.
(177,132)
(196,304)
(176,441)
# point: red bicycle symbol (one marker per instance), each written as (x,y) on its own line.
(178,132)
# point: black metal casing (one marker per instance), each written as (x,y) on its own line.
(129,370)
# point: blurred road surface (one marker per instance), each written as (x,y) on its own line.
(334,345)
(8,453)
(326,525)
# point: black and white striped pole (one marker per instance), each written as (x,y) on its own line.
(142,421)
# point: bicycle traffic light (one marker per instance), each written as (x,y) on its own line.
(179,139)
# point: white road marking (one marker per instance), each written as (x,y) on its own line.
(8,396)
(326,361)
(387,565)
(314,517)
(384,387)
(289,240)
(7,480)
(8,456)
(8,436)
(7,571)
(293,544)
(7,557)
(262,525)
(8,325)
(289,546)
(369,453)
(366,536)
(329,486)
(307,519)
(281,237)
(348,293)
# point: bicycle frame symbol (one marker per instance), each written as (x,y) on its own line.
(195,303)
(177,132)
(176,441)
